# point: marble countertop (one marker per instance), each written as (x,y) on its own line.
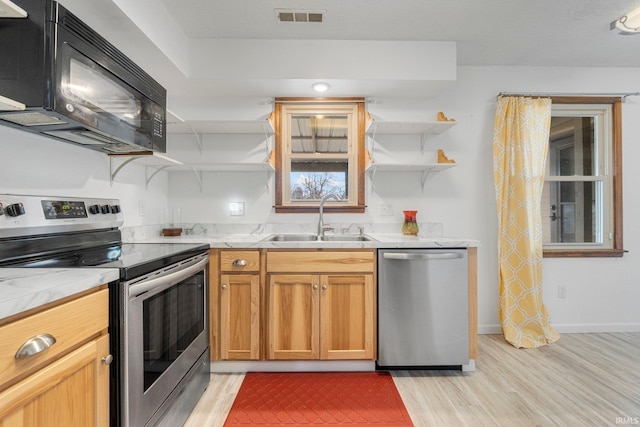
(387,241)
(22,289)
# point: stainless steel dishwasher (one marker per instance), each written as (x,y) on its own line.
(423,313)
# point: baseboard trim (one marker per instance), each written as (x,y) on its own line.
(595,328)
(568,328)
(489,329)
(227,366)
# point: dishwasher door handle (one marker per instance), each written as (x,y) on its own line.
(422,256)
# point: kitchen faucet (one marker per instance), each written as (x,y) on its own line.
(321,227)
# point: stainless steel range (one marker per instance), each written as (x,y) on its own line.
(159,323)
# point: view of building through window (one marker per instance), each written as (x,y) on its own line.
(572,203)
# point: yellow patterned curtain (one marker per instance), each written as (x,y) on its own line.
(520,144)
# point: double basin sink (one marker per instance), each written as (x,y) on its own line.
(314,238)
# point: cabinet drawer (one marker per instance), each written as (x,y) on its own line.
(321,262)
(231,261)
(70,324)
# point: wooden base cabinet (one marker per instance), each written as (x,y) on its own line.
(328,314)
(240,317)
(70,390)
(293,317)
(347,306)
(236,293)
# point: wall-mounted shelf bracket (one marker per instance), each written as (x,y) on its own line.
(372,175)
(268,132)
(152,161)
(199,141)
(423,139)
(150,172)
(198,177)
(113,173)
(423,179)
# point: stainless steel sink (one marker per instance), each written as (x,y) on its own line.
(313,238)
(347,238)
(291,238)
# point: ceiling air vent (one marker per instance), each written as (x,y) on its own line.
(299,15)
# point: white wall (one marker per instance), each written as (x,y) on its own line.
(35,165)
(602,294)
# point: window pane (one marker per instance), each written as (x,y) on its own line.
(311,179)
(319,134)
(572,146)
(572,212)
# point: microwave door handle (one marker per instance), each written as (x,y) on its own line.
(166,281)
(422,256)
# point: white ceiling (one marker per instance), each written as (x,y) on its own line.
(488,32)
(204,51)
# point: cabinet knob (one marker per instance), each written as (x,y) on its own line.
(239,263)
(315,287)
(223,287)
(35,345)
(324,287)
(107,359)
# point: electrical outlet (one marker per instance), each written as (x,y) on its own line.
(142,209)
(562,291)
(236,208)
(386,209)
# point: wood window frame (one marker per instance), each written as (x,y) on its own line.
(360,206)
(617,249)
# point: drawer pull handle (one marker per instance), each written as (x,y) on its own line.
(35,345)
(224,287)
(239,263)
(107,359)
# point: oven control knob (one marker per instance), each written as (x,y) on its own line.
(94,209)
(105,209)
(15,209)
(115,209)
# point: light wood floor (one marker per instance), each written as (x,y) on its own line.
(581,380)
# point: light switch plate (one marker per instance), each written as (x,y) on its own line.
(236,208)
(386,209)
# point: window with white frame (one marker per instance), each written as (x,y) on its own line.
(580,201)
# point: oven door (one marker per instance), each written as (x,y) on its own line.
(165,334)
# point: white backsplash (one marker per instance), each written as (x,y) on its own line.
(129,234)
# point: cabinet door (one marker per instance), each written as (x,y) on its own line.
(293,317)
(347,317)
(61,394)
(240,316)
(102,367)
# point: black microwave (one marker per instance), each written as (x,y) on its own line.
(65,81)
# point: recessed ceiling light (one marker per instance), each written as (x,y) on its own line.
(320,86)
(628,24)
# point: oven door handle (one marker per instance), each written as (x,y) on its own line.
(166,280)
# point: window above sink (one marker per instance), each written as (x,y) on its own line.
(319,150)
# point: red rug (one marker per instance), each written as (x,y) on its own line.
(318,399)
